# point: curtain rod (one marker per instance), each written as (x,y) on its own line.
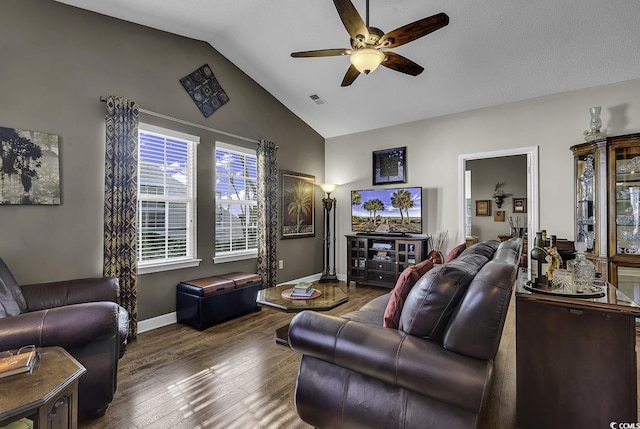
(191,124)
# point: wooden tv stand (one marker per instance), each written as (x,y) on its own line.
(378,260)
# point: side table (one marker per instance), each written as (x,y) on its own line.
(575,360)
(48,396)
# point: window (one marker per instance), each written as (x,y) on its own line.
(166,199)
(236,203)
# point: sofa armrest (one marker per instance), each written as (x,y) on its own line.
(41,296)
(420,365)
(68,327)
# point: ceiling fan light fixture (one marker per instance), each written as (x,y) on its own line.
(366,60)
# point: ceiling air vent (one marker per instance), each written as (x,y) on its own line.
(317,99)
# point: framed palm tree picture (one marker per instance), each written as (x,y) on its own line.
(297,205)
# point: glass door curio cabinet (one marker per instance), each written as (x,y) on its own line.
(624,214)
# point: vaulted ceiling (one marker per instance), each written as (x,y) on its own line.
(492,52)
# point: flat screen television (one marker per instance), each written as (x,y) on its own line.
(388,210)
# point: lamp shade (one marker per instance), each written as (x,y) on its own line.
(366,60)
(328,188)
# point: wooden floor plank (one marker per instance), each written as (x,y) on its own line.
(234,375)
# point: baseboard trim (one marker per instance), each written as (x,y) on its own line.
(171,318)
(314,278)
(157,322)
(311,278)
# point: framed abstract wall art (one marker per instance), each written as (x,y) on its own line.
(29,167)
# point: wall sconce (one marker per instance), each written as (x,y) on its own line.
(329,273)
(499,194)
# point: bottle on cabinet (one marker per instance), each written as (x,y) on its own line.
(540,260)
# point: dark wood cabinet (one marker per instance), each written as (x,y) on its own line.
(379,259)
(575,360)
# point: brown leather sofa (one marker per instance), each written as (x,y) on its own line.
(434,371)
(82,316)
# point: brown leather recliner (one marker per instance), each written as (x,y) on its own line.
(82,316)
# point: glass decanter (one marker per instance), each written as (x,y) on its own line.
(584,271)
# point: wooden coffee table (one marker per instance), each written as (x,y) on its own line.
(331,296)
(48,396)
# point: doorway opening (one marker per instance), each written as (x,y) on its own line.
(466,206)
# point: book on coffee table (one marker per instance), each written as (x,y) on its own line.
(17,364)
(303,294)
(302,287)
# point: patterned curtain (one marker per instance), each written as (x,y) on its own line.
(120,202)
(267,212)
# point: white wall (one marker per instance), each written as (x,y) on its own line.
(554,123)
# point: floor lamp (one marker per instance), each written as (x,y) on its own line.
(329,273)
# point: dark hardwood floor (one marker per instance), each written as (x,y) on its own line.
(234,375)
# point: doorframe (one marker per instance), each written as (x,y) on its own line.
(533,200)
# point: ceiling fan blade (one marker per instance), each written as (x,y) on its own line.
(351,19)
(321,53)
(413,31)
(351,75)
(403,65)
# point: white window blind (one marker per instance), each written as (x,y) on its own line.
(236,203)
(166,197)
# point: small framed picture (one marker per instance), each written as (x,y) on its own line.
(498,216)
(483,207)
(519,205)
(389,166)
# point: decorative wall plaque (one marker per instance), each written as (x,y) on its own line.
(389,166)
(205,91)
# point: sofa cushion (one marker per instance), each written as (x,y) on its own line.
(455,252)
(405,282)
(486,248)
(473,330)
(377,305)
(12,302)
(370,312)
(435,296)
(509,251)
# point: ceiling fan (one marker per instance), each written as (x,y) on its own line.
(367,42)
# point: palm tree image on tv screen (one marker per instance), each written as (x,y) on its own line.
(391,210)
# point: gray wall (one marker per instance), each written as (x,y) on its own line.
(485,173)
(57,61)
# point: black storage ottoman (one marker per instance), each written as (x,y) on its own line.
(204,302)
